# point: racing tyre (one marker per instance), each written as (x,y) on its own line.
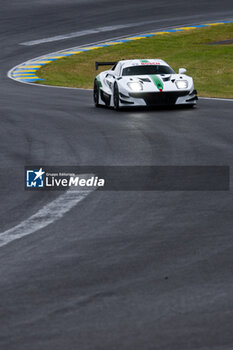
(116,98)
(96,93)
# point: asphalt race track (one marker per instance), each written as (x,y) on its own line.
(120,270)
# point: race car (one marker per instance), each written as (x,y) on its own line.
(142,82)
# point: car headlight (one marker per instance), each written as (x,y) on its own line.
(135,86)
(182,84)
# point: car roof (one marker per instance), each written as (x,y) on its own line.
(142,62)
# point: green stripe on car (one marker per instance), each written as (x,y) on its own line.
(99,82)
(157,81)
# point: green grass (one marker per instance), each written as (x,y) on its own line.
(211,66)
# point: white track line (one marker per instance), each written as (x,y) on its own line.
(217,99)
(48,214)
(84,32)
(98,30)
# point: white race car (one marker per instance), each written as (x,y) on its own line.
(142,82)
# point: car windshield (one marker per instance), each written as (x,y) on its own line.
(147,70)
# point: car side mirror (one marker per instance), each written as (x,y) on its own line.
(182,70)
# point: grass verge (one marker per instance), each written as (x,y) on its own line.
(210,65)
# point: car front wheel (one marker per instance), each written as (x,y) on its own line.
(116,98)
(96,93)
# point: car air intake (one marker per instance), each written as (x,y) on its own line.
(146,80)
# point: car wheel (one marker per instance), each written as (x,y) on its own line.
(96,93)
(116,98)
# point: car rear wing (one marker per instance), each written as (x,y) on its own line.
(97,64)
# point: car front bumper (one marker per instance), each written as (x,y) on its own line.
(160,98)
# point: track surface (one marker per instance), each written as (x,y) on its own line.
(120,270)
